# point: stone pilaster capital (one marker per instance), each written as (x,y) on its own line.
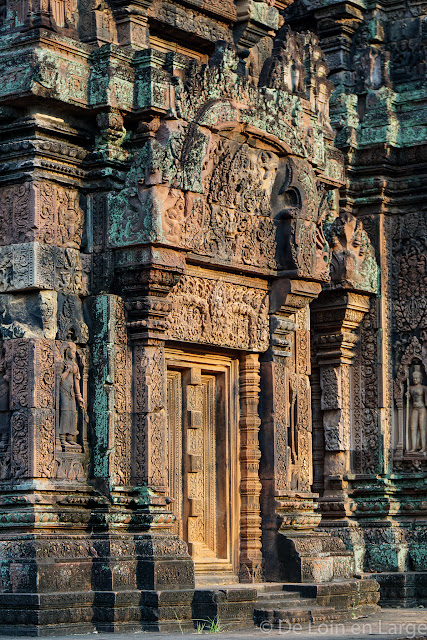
(145,278)
(335,317)
(288,296)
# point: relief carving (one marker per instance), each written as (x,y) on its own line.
(39,266)
(28,316)
(299,213)
(149,419)
(41,211)
(70,399)
(4,402)
(71,325)
(417,417)
(409,290)
(353,263)
(285,70)
(237,222)
(218,312)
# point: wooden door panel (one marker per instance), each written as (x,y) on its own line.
(198,469)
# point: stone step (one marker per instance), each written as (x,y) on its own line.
(284,603)
(268,587)
(326,614)
(279,595)
(304,615)
(274,616)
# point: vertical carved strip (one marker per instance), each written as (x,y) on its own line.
(281,421)
(32,400)
(111,405)
(174,448)
(149,394)
(195,432)
(250,485)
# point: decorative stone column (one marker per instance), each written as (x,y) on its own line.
(288,504)
(250,486)
(165,570)
(336,316)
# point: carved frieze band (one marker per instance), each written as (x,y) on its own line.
(218,312)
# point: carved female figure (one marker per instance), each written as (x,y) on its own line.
(69,393)
(418,417)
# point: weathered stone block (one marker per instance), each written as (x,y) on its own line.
(38,266)
(40,211)
(30,315)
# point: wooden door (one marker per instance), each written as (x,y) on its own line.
(200,472)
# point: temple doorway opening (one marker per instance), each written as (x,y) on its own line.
(202,461)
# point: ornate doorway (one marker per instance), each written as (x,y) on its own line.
(202,460)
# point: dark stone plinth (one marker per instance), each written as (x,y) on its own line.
(406,589)
(359,596)
(229,605)
(314,557)
(78,583)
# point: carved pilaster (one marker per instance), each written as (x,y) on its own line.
(336,315)
(111,409)
(147,309)
(166,565)
(288,504)
(131,19)
(149,414)
(250,486)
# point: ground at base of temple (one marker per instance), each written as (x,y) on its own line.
(389,624)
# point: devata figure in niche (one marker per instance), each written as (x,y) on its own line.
(69,396)
(418,416)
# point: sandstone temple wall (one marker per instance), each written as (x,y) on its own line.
(212,303)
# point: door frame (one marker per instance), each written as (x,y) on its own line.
(219,364)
